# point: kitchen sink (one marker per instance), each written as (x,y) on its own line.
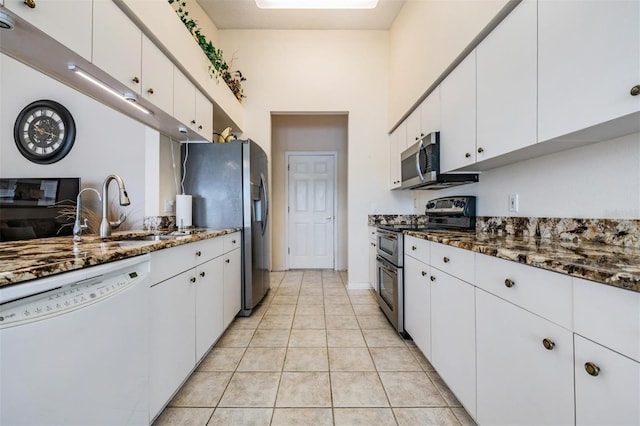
(157,237)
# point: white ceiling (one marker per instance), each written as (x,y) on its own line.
(244,14)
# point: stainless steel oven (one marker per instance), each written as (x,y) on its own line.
(390,290)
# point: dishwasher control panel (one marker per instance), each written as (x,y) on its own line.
(66,298)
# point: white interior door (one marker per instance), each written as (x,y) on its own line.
(311,210)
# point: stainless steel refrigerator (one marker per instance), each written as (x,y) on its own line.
(228,182)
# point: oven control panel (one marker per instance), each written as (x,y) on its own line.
(454,206)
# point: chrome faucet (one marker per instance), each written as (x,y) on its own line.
(106,225)
(79,225)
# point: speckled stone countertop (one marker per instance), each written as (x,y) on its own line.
(617,266)
(29,259)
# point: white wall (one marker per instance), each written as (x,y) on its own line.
(307,133)
(162,173)
(106,141)
(595,181)
(326,71)
(426,36)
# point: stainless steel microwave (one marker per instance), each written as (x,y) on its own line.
(420,167)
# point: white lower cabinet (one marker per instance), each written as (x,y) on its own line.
(373,252)
(453,335)
(417,303)
(232,285)
(172,337)
(195,294)
(209,305)
(607,386)
(520,380)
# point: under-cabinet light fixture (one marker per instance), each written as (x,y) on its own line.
(316,4)
(128,97)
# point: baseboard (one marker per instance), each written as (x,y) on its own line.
(359,286)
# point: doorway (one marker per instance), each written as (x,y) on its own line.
(311,205)
(309,134)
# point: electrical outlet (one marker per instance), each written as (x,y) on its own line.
(169,206)
(513,203)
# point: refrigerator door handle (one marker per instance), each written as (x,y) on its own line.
(264,202)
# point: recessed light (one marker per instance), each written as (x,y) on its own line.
(316,4)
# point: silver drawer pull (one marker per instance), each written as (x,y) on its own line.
(509,282)
(432,278)
(424,274)
(414,248)
(446,259)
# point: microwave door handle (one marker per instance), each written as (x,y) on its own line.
(420,148)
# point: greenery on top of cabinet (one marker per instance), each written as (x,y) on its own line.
(218,67)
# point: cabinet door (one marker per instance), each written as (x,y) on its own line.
(67,21)
(117,44)
(507,84)
(373,267)
(232,286)
(612,397)
(172,337)
(414,129)
(417,304)
(209,305)
(458,101)
(204,116)
(453,335)
(184,99)
(430,113)
(157,76)
(396,146)
(519,380)
(588,63)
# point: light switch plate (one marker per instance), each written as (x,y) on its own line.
(513,203)
(169,206)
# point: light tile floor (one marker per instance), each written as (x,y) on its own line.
(314,353)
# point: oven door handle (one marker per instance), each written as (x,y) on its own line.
(383,264)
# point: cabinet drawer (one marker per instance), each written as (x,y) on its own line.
(608,315)
(372,233)
(232,241)
(454,261)
(544,293)
(416,248)
(204,250)
(169,262)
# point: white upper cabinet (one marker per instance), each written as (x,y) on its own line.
(430,113)
(204,116)
(184,99)
(396,146)
(588,64)
(117,44)
(67,21)
(458,102)
(157,76)
(414,128)
(507,84)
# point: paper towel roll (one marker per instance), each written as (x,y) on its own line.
(183,210)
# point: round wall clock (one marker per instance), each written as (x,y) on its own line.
(44,132)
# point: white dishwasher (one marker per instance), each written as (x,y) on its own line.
(74,347)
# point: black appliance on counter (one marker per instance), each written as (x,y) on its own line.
(420,167)
(32,207)
(447,213)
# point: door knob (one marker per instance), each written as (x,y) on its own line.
(330,217)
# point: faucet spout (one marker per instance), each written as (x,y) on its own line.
(78,225)
(106,225)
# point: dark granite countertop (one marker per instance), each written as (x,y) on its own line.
(617,266)
(29,259)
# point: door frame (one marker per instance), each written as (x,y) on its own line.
(334,155)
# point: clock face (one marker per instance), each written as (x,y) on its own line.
(44,132)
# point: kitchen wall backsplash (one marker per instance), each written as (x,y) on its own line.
(396,219)
(619,232)
(158,223)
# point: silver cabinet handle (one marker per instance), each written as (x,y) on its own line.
(433,278)
(446,259)
(424,273)
(509,282)
(635,90)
